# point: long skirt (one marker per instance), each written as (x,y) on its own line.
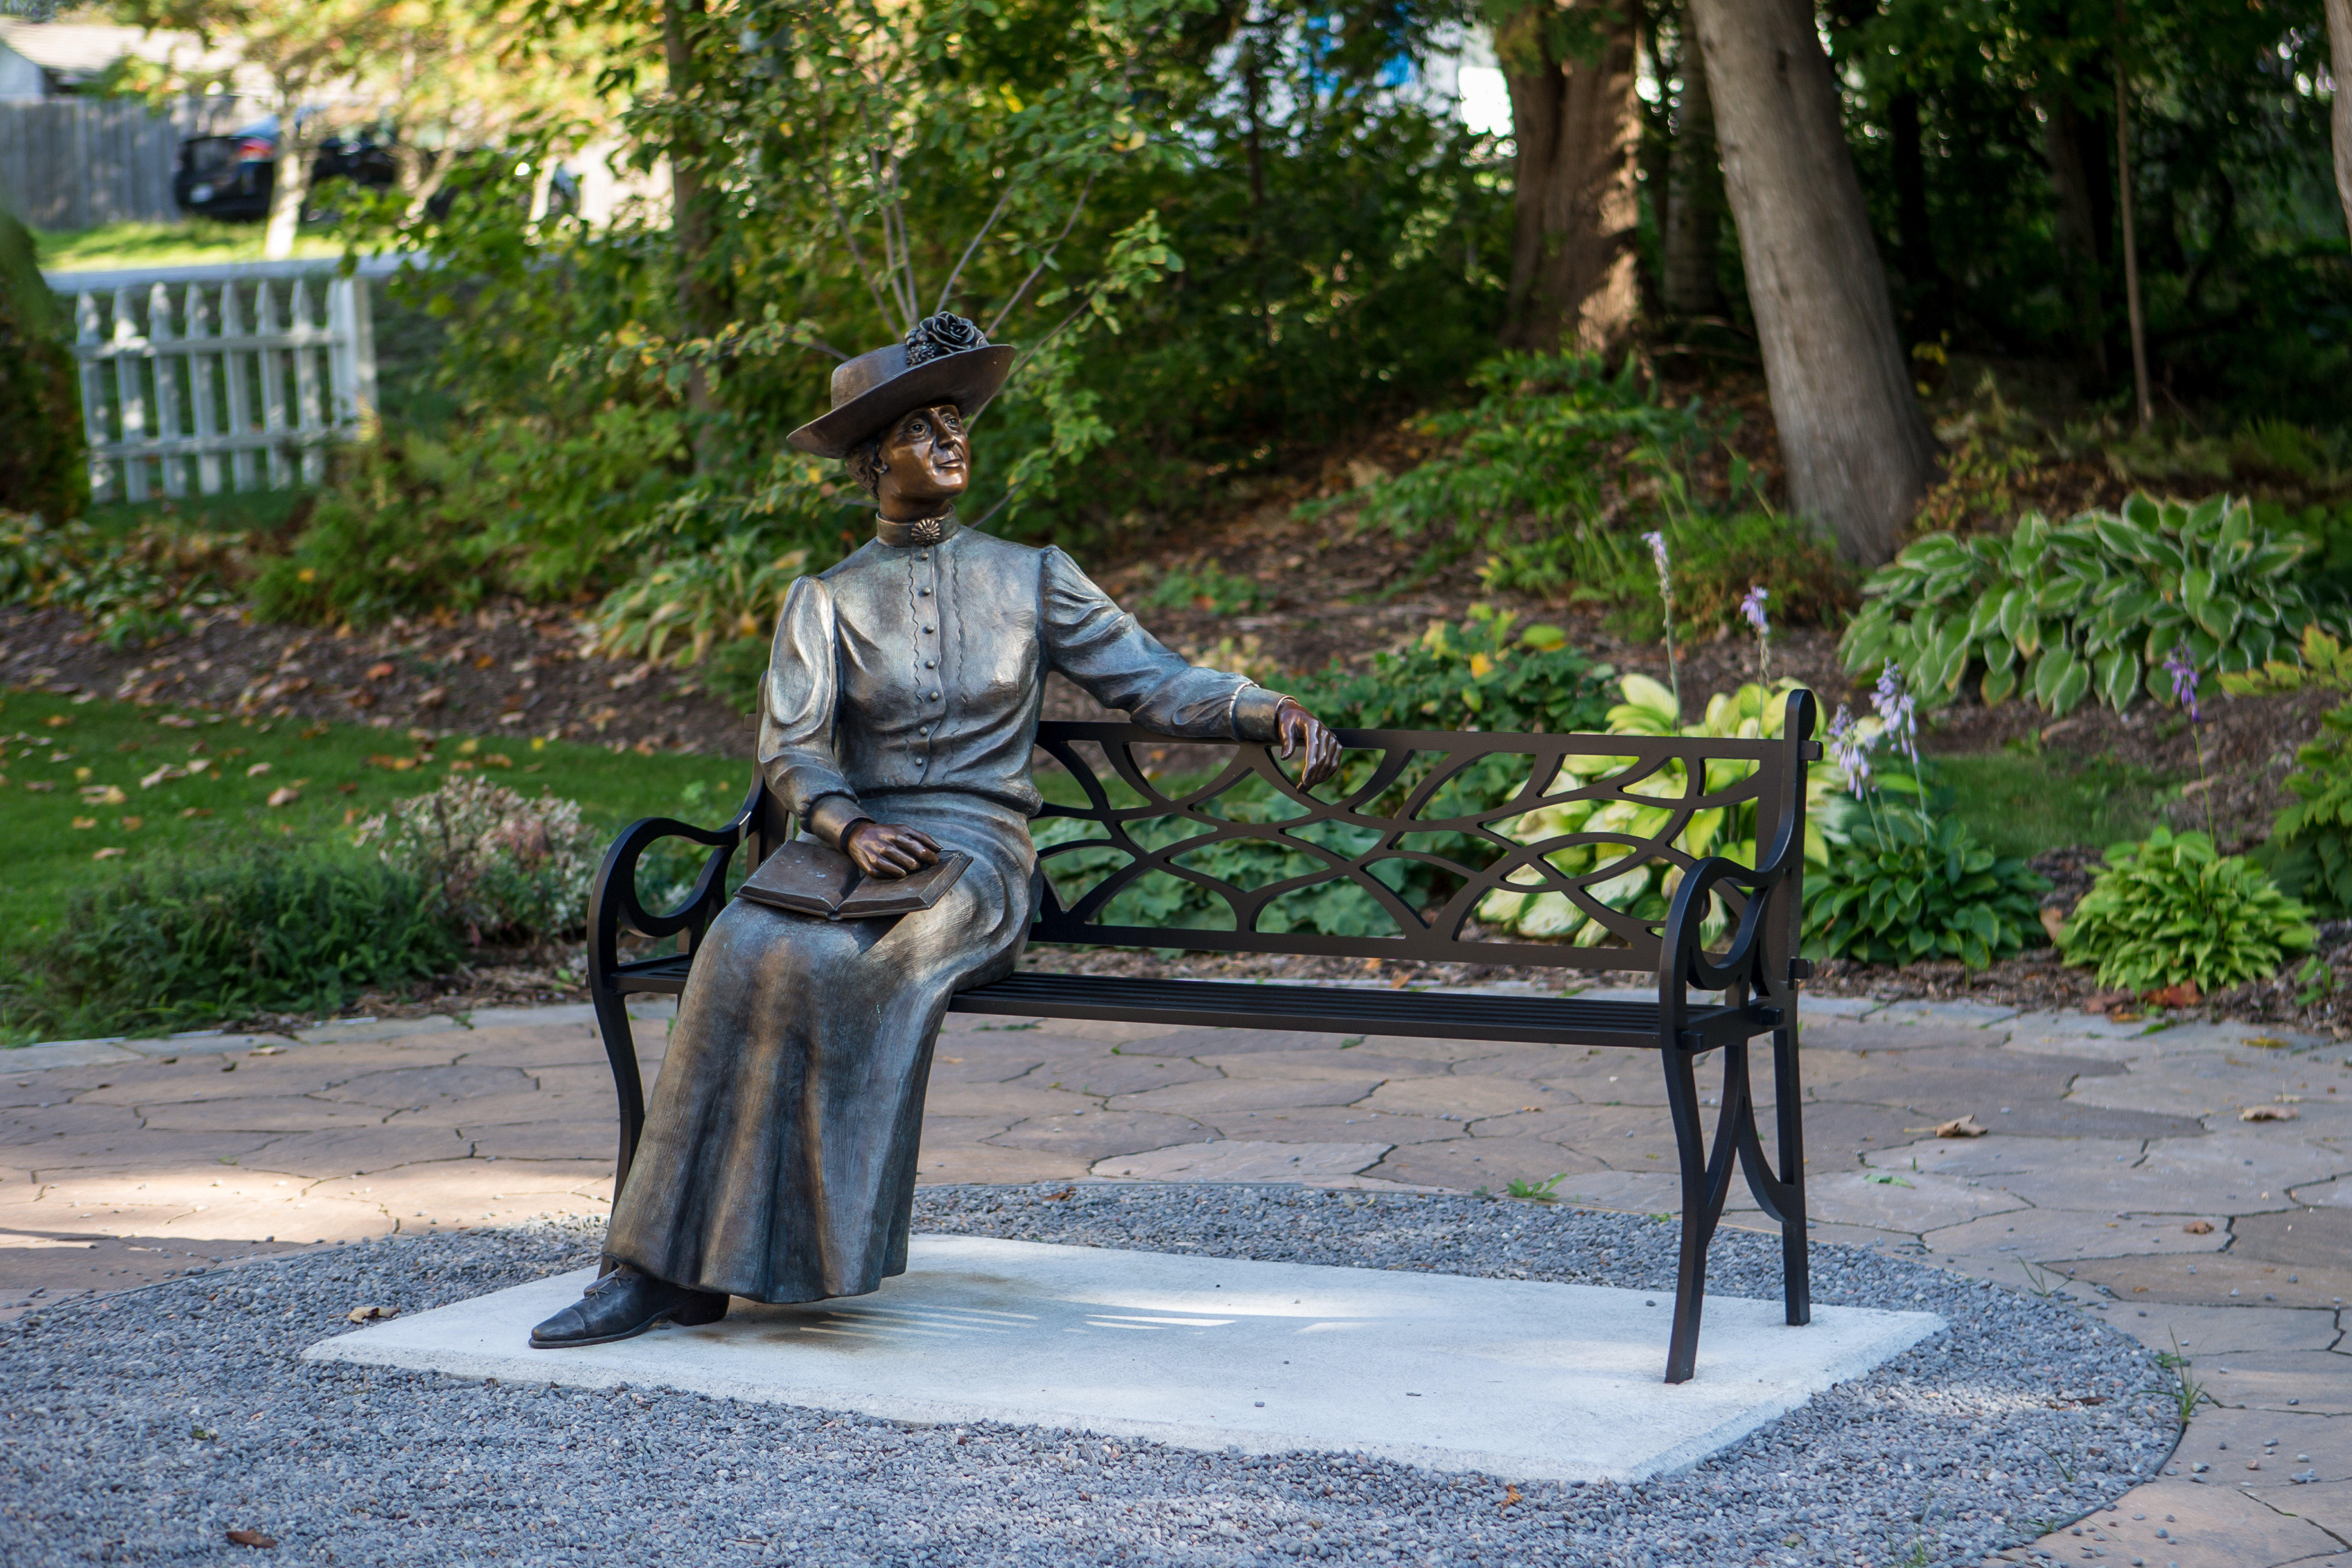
(779,1155)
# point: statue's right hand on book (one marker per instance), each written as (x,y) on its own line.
(887,850)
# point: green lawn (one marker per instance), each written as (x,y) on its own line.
(195,242)
(2023,804)
(95,756)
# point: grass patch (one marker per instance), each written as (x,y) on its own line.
(341,773)
(193,242)
(2022,803)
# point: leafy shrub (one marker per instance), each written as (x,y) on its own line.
(129,588)
(1206,586)
(1472,676)
(1646,888)
(176,944)
(2090,607)
(498,864)
(1561,467)
(1907,889)
(43,465)
(2310,850)
(729,594)
(2171,908)
(512,503)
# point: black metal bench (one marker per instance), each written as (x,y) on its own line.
(1401,807)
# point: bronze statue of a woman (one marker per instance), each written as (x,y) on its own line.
(896,720)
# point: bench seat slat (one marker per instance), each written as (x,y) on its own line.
(1332,1009)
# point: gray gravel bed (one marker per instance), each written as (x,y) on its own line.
(143,1427)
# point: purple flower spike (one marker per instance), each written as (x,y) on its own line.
(1657,543)
(1752,606)
(2184,679)
(1896,709)
(1850,751)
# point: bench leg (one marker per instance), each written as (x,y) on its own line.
(1707,1180)
(628,1087)
(1787,1105)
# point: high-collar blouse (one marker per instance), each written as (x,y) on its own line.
(922,666)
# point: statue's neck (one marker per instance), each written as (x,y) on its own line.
(916,530)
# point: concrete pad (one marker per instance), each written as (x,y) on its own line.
(1521,1379)
(1230,1159)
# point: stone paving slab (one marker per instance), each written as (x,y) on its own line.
(1523,1379)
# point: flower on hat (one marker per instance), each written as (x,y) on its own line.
(945,334)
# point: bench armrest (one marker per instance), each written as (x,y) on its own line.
(615,907)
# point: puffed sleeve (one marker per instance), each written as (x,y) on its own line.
(1117,662)
(797,701)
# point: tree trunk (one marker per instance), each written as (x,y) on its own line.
(2339,37)
(1695,194)
(290,187)
(1857,449)
(2078,230)
(701,298)
(1576,125)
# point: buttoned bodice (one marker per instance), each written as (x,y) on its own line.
(922,667)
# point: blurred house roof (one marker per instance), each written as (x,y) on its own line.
(73,54)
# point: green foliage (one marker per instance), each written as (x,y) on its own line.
(513,504)
(131,588)
(2170,910)
(44,467)
(2309,854)
(1556,473)
(496,863)
(176,944)
(1613,831)
(2089,607)
(1904,890)
(1207,586)
(1473,676)
(730,593)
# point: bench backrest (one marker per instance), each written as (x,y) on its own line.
(1393,858)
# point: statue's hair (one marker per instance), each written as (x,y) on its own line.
(865,463)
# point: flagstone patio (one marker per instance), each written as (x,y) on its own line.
(2118,1171)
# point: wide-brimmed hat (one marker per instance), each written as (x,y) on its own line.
(945,359)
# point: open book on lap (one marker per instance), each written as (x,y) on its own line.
(807,877)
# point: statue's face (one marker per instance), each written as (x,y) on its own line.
(927,461)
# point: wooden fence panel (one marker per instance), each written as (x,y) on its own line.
(77,163)
(181,394)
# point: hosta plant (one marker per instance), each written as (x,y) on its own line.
(2310,850)
(2171,908)
(1646,888)
(2057,612)
(1907,889)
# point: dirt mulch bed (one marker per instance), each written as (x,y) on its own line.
(511,667)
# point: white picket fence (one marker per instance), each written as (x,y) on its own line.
(196,377)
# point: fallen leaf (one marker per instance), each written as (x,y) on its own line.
(2054,921)
(108,854)
(40,786)
(284,795)
(383,671)
(58,721)
(2199,1227)
(1962,1127)
(132,824)
(431,697)
(1065,1193)
(85,822)
(368,1314)
(164,775)
(497,759)
(2264,1042)
(2184,994)
(256,771)
(2269,1113)
(252,1538)
(196,811)
(1510,1496)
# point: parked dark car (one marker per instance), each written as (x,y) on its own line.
(232,176)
